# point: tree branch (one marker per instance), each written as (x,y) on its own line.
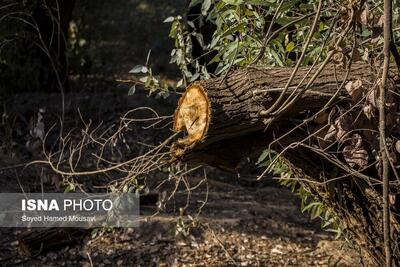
(387,33)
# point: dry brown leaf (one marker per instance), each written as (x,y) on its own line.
(322,117)
(339,128)
(371,104)
(37,129)
(355,89)
(356,56)
(364,17)
(398,146)
(376,33)
(331,133)
(369,111)
(356,140)
(381,21)
(392,199)
(393,157)
(392,119)
(343,125)
(339,59)
(372,98)
(355,154)
(355,157)
(365,56)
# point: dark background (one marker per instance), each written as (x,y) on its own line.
(247,222)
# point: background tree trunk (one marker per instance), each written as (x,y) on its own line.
(52,18)
(33,58)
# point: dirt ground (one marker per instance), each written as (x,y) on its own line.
(240,226)
(244,223)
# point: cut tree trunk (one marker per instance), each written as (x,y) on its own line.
(222,122)
(228,107)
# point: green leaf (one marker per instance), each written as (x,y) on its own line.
(233,2)
(132,90)
(310,206)
(277,58)
(191,24)
(260,2)
(321,26)
(138,69)
(290,47)
(221,68)
(187,73)
(179,83)
(69,188)
(263,156)
(205,7)
(94,232)
(169,19)
(148,82)
(195,2)
(194,77)
(200,39)
(214,41)
(365,33)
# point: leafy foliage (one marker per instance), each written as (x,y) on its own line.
(148,80)
(239,31)
(241,27)
(309,204)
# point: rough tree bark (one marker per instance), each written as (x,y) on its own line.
(222,124)
(222,108)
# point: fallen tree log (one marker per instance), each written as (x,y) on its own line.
(227,107)
(222,122)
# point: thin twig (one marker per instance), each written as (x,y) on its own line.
(266,36)
(303,53)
